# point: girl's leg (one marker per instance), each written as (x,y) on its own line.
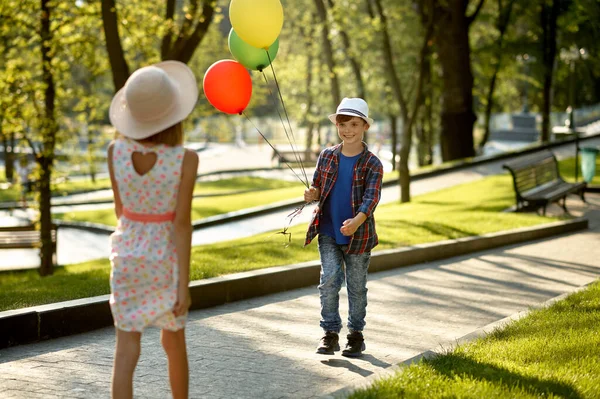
(127,353)
(174,344)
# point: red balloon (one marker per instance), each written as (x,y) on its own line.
(228,86)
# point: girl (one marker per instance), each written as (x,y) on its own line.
(153,179)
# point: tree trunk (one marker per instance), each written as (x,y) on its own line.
(49,130)
(354,64)
(309,104)
(394,136)
(328,52)
(408,117)
(8,142)
(118,64)
(47,250)
(549,16)
(458,118)
(489,105)
(189,38)
(91,153)
(424,130)
(388,56)
(502,25)
(403,165)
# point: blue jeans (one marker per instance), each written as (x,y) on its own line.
(333,256)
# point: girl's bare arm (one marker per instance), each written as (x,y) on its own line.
(115,187)
(183,228)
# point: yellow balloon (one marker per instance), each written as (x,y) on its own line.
(257,22)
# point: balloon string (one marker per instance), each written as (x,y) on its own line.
(290,217)
(305,183)
(294,150)
(293,140)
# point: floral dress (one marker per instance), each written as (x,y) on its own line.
(144,275)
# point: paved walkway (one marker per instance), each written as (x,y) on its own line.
(264,347)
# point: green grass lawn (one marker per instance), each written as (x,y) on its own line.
(567,170)
(461,211)
(551,353)
(203,188)
(225,196)
(79,186)
(13,193)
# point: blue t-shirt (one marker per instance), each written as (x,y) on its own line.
(338,205)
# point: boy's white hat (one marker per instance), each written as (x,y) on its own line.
(154,98)
(353,107)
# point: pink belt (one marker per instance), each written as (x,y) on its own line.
(149,217)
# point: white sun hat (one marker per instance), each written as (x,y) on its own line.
(154,98)
(353,107)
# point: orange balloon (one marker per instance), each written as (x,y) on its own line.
(228,86)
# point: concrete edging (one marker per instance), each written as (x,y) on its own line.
(43,322)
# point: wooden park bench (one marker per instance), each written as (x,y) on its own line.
(537,182)
(23,237)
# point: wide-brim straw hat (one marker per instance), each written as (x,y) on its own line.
(154,98)
(353,107)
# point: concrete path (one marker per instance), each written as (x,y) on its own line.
(264,347)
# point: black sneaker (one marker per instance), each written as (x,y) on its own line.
(355,345)
(329,343)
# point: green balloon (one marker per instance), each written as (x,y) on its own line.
(249,56)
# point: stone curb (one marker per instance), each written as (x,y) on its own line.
(37,323)
(446,347)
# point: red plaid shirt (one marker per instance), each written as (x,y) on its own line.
(366,192)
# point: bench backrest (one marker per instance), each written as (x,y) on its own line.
(28,227)
(534,170)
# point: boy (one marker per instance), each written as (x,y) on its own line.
(347,184)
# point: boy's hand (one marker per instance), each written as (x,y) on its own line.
(350,226)
(312,194)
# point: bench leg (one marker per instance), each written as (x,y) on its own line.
(564,204)
(581,194)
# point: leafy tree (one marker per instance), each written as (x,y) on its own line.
(183,29)
(408,114)
(328,51)
(32,69)
(550,11)
(504,10)
(452,24)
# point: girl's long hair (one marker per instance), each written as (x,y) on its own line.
(171,136)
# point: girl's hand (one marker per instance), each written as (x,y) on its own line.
(183,303)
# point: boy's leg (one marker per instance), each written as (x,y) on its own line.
(357,267)
(332,277)
(173,343)
(127,353)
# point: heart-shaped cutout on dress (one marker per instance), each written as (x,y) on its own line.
(143,162)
